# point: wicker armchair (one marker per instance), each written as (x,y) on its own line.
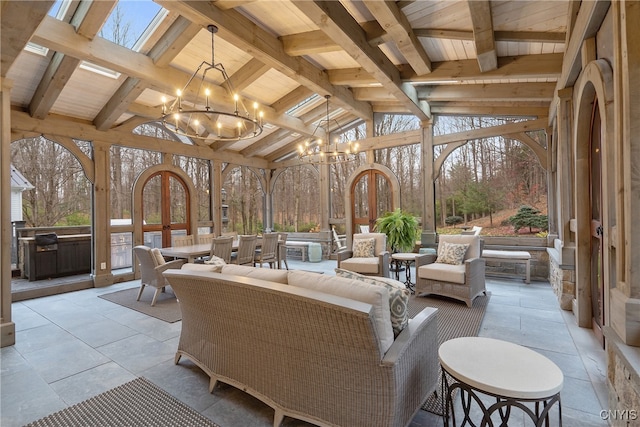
(463,282)
(152,265)
(378,265)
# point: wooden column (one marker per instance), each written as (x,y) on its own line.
(101,262)
(625,296)
(7,327)
(267,206)
(325,196)
(564,183)
(215,194)
(429,190)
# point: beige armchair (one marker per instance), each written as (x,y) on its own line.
(463,281)
(374,263)
(152,265)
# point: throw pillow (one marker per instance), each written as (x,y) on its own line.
(217,262)
(452,253)
(398,297)
(364,248)
(155,252)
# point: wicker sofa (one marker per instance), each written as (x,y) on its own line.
(308,354)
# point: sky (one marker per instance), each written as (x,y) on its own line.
(137,13)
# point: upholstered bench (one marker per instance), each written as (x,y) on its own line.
(518,257)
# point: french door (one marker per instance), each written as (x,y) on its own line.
(595,193)
(371,197)
(165,208)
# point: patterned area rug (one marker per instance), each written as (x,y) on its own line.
(166,308)
(136,403)
(455,320)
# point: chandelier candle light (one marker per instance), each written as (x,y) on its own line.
(197,118)
(315,150)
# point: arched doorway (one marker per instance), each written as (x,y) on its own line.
(166,208)
(597,248)
(371,196)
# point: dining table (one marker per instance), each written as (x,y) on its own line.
(193,252)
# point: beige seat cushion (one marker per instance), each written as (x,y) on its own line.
(269,274)
(157,255)
(361,265)
(201,267)
(377,296)
(443,272)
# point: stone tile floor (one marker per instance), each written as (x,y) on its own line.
(72,346)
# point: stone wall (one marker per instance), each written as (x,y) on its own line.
(563,282)
(623,380)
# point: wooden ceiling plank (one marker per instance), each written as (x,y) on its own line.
(244,34)
(398,27)
(480,11)
(339,25)
(18,20)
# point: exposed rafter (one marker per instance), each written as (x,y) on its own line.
(480,11)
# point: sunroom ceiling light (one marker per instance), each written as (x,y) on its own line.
(315,150)
(191,113)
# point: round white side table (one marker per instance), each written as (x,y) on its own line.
(511,373)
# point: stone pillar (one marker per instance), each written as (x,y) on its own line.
(7,327)
(101,229)
(428,237)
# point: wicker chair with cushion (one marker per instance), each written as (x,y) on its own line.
(458,270)
(152,265)
(368,255)
(246,250)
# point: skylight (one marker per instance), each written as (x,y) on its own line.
(129,21)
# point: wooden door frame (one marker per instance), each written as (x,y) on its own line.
(138,235)
(395,193)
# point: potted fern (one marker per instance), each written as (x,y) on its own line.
(401,229)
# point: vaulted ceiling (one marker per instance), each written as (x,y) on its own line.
(426,57)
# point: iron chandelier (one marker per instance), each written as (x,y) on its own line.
(191,113)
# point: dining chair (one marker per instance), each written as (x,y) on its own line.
(183,240)
(246,250)
(282,250)
(268,251)
(222,247)
(205,238)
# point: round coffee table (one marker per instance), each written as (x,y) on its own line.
(404,259)
(511,373)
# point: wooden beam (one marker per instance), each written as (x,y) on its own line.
(243,33)
(486,92)
(587,24)
(488,109)
(18,20)
(538,150)
(79,129)
(339,25)
(246,75)
(499,36)
(480,11)
(265,142)
(398,27)
(544,66)
(492,131)
(61,37)
(291,99)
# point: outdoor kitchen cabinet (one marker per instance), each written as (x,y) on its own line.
(71,255)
